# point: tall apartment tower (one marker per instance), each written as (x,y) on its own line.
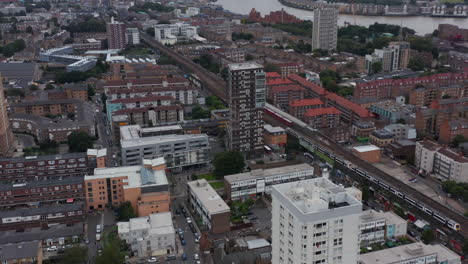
(325,28)
(402,51)
(6,135)
(246,97)
(116,34)
(314,221)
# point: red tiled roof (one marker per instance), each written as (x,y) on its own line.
(314,87)
(273,75)
(285,88)
(278,81)
(145,109)
(322,111)
(148,98)
(361,111)
(305,102)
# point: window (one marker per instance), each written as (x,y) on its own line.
(321,225)
(337,241)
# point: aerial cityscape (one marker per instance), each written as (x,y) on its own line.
(234,132)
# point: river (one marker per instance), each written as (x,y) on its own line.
(421,24)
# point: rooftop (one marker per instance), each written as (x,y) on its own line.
(430,145)
(322,111)
(314,196)
(208,197)
(271,129)
(392,106)
(42,210)
(366,148)
(306,102)
(372,215)
(364,125)
(35,184)
(37,233)
(261,173)
(97,152)
(382,133)
(244,66)
(409,252)
(18,251)
(459,157)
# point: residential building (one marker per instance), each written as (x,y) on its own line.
(147,116)
(314,221)
(381,138)
(178,88)
(424,156)
(282,95)
(259,181)
(22,218)
(369,153)
(287,68)
(325,29)
(377,227)
(151,235)
(23,252)
(144,186)
(116,33)
(392,58)
(300,107)
(206,204)
(45,167)
(412,253)
(350,112)
(401,149)
(442,163)
(20,75)
(132,36)
(246,99)
(339,134)
(6,134)
(274,136)
(362,130)
(457,60)
(47,107)
(392,110)
(39,193)
(426,96)
(97,157)
(452,128)
(401,131)
(138,103)
(179,151)
(391,87)
(322,117)
(172,33)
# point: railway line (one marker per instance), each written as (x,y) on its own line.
(336,151)
(211,82)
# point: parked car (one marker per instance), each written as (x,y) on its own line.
(196,257)
(189,220)
(184,257)
(98,229)
(177,211)
(152,260)
(170,257)
(183,242)
(52,248)
(197,240)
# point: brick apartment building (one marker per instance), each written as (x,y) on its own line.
(452,128)
(423,96)
(6,134)
(391,88)
(288,68)
(282,95)
(145,187)
(70,91)
(38,193)
(326,117)
(148,116)
(46,167)
(300,107)
(452,32)
(273,17)
(42,108)
(44,216)
(274,135)
(381,138)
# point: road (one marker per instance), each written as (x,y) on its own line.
(105,219)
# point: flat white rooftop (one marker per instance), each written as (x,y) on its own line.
(154,140)
(272,129)
(366,148)
(208,197)
(261,173)
(410,252)
(314,195)
(244,66)
(97,152)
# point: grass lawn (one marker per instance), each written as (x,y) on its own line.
(207,176)
(217,185)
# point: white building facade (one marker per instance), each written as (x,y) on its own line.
(314,221)
(376,227)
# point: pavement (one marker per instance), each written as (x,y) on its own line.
(428,186)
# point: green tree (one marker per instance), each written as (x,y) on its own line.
(458,139)
(125,211)
(366,194)
(49,86)
(111,252)
(150,31)
(417,64)
(228,162)
(270,67)
(74,255)
(33,87)
(199,113)
(428,236)
(249,57)
(91,91)
(376,67)
(80,141)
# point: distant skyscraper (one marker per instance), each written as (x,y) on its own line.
(246,95)
(6,135)
(325,28)
(314,221)
(116,34)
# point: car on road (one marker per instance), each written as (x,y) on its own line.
(189,220)
(413,180)
(98,237)
(197,240)
(183,242)
(192,227)
(177,212)
(170,257)
(52,248)
(86,241)
(196,257)
(184,257)
(98,229)
(152,260)
(181,236)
